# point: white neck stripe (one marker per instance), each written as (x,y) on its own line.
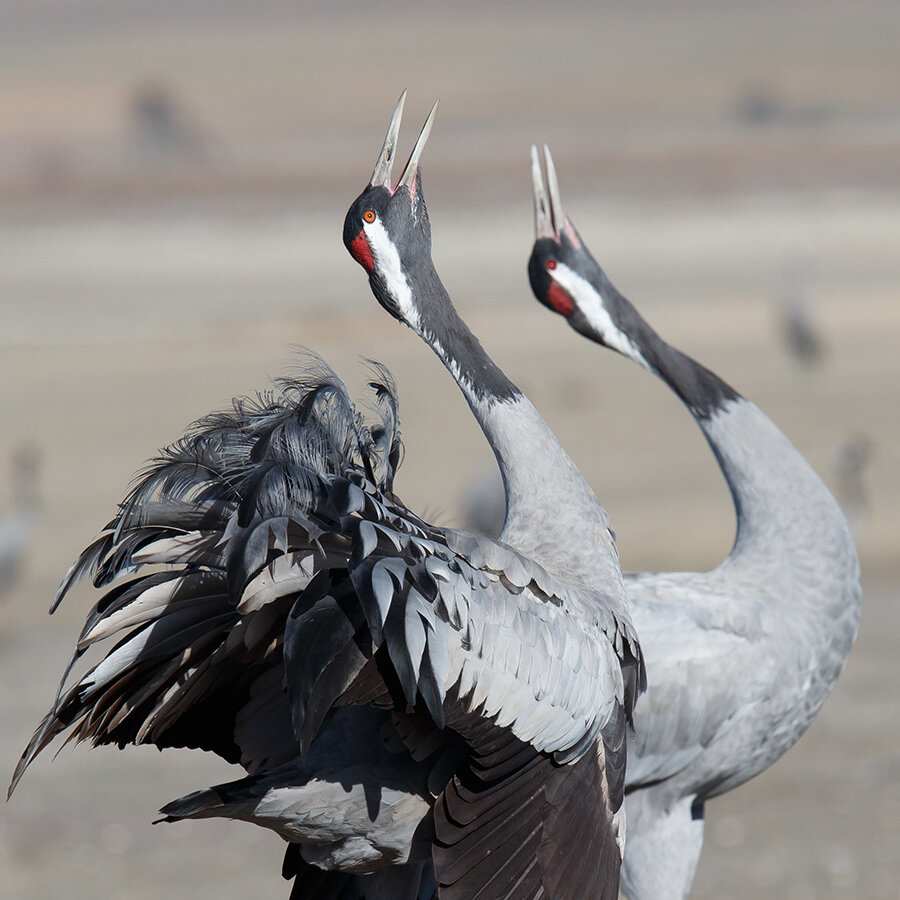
(387,262)
(589,301)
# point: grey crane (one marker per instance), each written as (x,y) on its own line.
(798,320)
(851,456)
(387,231)
(471,691)
(741,658)
(18,526)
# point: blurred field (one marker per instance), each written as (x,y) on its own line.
(172,187)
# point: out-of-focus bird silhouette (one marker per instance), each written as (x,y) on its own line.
(798,319)
(852,454)
(484,503)
(18,526)
(163,128)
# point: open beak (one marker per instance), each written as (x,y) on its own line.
(381,176)
(550,221)
(543,220)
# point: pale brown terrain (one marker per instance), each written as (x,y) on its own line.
(172,187)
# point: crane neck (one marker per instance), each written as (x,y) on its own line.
(783,508)
(701,390)
(437,322)
(552,514)
(781,504)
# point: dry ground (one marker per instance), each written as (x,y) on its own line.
(146,279)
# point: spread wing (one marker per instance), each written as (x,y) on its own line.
(188,657)
(495,649)
(453,616)
(262,574)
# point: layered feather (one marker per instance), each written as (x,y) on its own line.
(261,575)
(202,563)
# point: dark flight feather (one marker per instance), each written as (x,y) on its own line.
(239,490)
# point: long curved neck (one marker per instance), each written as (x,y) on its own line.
(551,513)
(782,505)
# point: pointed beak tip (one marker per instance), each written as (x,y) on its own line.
(381,175)
(412,165)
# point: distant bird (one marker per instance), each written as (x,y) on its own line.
(484,504)
(401,695)
(851,457)
(798,321)
(18,526)
(163,129)
(739,659)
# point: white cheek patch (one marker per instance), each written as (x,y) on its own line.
(387,263)
(589,301)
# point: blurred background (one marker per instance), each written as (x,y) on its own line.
(173,181)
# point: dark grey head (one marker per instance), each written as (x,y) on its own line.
(387,232)
(567,279)
(386,228)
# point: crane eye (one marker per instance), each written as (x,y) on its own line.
(551,263)
(369,216)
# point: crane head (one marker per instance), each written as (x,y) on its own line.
(567,279)
(386,228)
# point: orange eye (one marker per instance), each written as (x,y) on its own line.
(369,215)
(551,263)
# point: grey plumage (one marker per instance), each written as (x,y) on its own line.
(739,659)
(268,458)
(200,569)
